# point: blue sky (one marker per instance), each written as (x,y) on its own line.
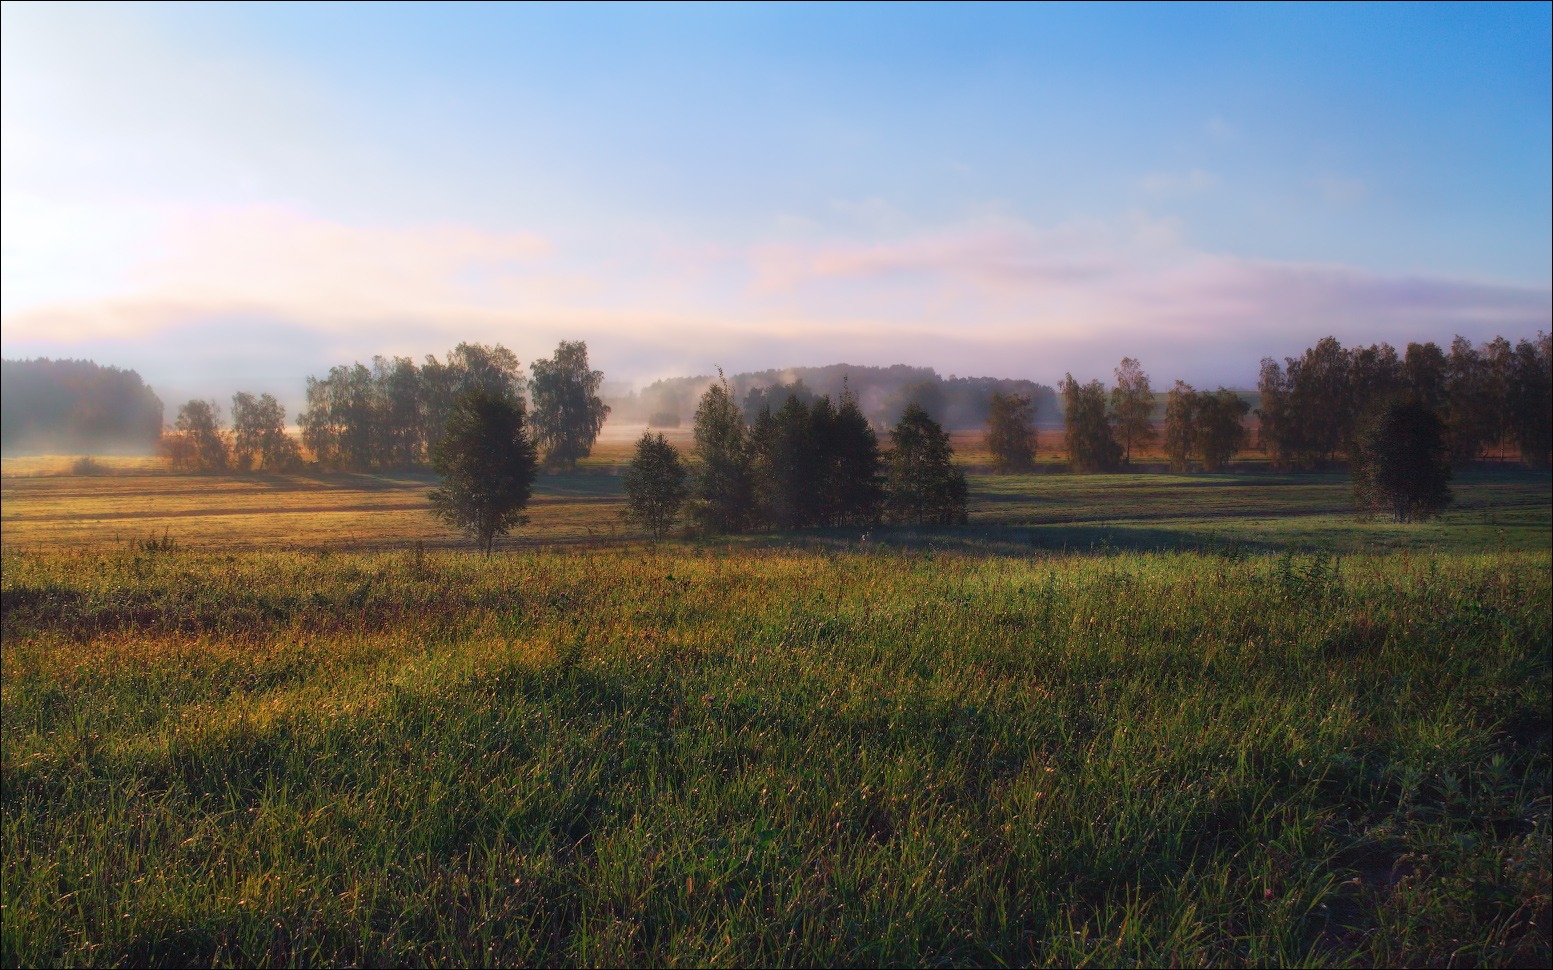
(240,195)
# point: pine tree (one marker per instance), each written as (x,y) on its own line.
(722,487)
(924,486)
(853,475)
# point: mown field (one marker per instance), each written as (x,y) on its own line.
(1133,719)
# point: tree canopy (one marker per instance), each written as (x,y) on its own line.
(1091,444)
(1132,407)
(924,486)
(487,464)
(197,442)
(1402,464)
(655,485)
(76,405)
(259,438)
(1010,433)
(567,411)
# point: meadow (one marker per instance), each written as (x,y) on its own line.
(1134,719)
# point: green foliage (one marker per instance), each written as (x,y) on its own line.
(1220,431)
(567,411)
(723,486)
(259,438)
(488,466)
(1091,443)
(813,463)
(1529,400)
(1402,465)
(655,485)
(392,414)
(1180,425)
(1010,433)
(851,465)
(197,442)
(696,758)
(1132,407)
(923,486)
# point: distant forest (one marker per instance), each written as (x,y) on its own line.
(883,393)
(76,406)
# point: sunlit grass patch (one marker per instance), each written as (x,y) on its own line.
(774,757)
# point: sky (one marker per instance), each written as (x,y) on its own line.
(236,196)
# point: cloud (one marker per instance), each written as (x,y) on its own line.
(998,297)
(992,253)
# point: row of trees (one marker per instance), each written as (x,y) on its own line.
(1314,408)
(1493,396)
(392,414)
(883,394)
(816,464)
(257,440)
(1102,428)
(804,464)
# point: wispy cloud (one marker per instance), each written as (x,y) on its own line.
(998,297)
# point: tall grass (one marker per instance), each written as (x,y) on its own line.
(789,758)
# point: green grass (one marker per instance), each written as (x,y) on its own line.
(768,756)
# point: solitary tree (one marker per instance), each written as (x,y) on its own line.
(568,412)
(924,487)
(198,442)
(1132,407)
(1011,432)
(1091,445)
(655,485)
(487,464)
(1402,463)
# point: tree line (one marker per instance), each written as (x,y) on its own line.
(1490,397)
(1312,410)
(75,406)
(804,463)
(392,414)
(882,393)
